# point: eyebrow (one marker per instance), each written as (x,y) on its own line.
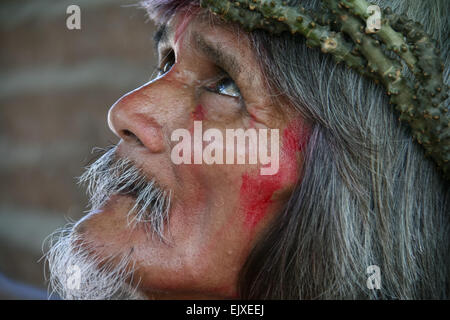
(161,35)
(217,54)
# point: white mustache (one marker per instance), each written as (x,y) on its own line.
(110,175)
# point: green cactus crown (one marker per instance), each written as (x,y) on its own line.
(419,103)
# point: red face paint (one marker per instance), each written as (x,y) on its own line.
(256,196)
(185,19)
(252,121)
(199,113)
(257,190)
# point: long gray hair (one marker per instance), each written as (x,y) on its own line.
(368,196)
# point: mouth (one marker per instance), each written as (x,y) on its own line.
(112,176)
(134,191)
(130,190)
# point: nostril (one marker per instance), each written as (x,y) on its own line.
(130,136)
(128,133)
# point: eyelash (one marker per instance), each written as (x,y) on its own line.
(168,57)
(220,85)
(215,87)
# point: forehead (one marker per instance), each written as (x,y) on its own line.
(183,24)
(221,42)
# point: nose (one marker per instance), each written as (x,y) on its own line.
(135,119)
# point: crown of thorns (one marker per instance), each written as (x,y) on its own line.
(420,103)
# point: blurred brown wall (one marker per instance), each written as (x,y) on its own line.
(56,86)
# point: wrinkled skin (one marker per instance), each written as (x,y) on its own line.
(218,211)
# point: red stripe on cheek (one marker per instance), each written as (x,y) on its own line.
(257,190)
(295,137)
(256,196)
(199,113)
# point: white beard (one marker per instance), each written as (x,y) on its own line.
(76,273)
(76,269)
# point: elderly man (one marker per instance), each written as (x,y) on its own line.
(349,205)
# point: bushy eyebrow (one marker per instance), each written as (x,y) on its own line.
(161,35)
(217,54)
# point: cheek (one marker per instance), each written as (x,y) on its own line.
(256,196)
(256,192)
(199,113)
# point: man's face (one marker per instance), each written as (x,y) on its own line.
(218,211)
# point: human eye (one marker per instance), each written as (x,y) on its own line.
(166,63)
(225,86)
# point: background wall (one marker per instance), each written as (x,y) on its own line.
(56,86)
